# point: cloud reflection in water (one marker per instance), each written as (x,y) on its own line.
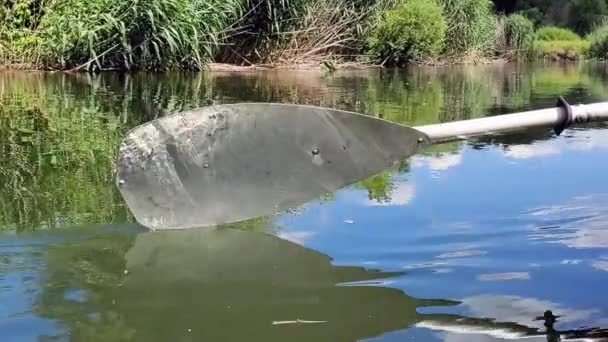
(580,223)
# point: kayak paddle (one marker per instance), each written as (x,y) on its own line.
(228,163)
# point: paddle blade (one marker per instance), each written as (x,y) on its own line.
(229,163)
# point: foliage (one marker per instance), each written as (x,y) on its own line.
(412,30)
(21,14)
(578,15)
(470,26)
(18,19)
(556,43)
(19,47)
(552,33)
(598,43)
(153,34)
(561,49)
(586,14)
(518,36)
(187,34)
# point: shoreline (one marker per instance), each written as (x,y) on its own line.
(331,66)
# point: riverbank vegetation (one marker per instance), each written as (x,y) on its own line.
(188,34)
(556,43)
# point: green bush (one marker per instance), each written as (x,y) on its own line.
(561,49)
(20,14)
(471,26)
(412,30)
(17,20)
(598,43)
(558,43)
(550,33)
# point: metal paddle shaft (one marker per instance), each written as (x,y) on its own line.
(228,163)
(559,118)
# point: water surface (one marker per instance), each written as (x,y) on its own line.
(467,241)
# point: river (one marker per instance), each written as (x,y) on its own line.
(466,241)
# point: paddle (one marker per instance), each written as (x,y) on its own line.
(228,163)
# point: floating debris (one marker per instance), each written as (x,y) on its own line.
(297,321)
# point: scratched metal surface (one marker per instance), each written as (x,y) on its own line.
(227,163)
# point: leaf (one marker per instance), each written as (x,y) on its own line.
(25,131)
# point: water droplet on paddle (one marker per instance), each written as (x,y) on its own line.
(315,151)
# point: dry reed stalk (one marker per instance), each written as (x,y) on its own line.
(328,30)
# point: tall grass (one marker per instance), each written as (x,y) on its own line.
(598,43)
(117,34)
(471,27)
(152,34)
(515,37)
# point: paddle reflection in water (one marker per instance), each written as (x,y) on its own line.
(234,285)
(231,285)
